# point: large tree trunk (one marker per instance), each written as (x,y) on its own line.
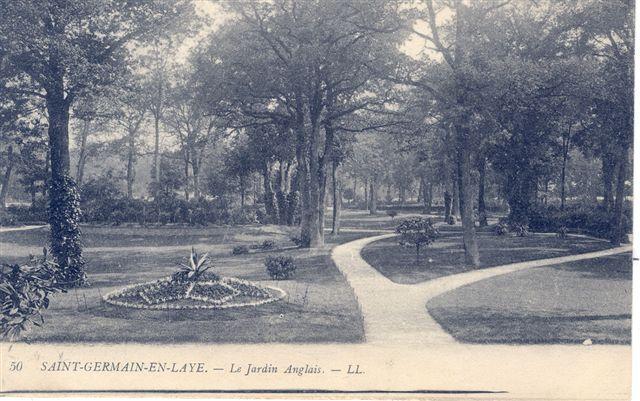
(6,179)
(187,161)
(608,168)
(315,195)
(428,197)
(269,200)
(373,196)
(447,205)
(82,153)
(563,175)
(63,198)
(337,200)
(618,235)
(130,165)
(195,167)
(366,193)
(472,256)
(280,195)
(243,190)
(355,190)
(482,209)
(455,200)
(156,151)
(402,194)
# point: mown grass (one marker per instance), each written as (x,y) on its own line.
(446,255)
(566,303)
(320,306)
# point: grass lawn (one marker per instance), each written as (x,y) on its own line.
(446,255)
(320,306)
(566,303)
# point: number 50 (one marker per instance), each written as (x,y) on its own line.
(15,366)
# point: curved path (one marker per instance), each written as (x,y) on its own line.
(396,313)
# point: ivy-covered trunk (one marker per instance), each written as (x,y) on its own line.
(64,208)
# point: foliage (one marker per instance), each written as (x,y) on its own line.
(417,232)
(520,229)
(593,221)
(280,267)
(501,228)
(240,250)
(195,268)
(64,219)
(296,240)
(24,291)
(267,245)
(563,232)
(7,219)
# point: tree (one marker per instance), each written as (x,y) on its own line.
(303,66)
(417,232)
(66,49)
(192,127)
(129,110)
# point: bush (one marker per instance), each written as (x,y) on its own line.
(501,228)
(267,245)
(597,221)
(280,267)
(24,291)
(451,220)
(240,250)
(36,213)
(519,229)
(7,219)
(392,213)
(417,232)
(296,240)
(563,232)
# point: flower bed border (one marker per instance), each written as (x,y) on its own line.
(213,304)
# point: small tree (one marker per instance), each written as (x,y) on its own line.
(417,232)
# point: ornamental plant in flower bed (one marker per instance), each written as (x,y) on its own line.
(193,287)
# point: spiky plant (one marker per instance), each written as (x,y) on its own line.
(195,267)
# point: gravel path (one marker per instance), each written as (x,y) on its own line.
(396,313)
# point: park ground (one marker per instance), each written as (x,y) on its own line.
(560,303)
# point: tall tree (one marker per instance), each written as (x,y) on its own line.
(65,49)
(304,66)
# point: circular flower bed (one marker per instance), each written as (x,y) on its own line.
(219,293)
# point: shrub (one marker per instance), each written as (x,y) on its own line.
(417,232)
(451,220)
(29,214)
(296,240)
(24,291)
(519,229)
(240,216)
(501,228)
(280,267)
(563,232)
(596,221)
(392,214)
(267,245)
(240,250)
(7,219)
